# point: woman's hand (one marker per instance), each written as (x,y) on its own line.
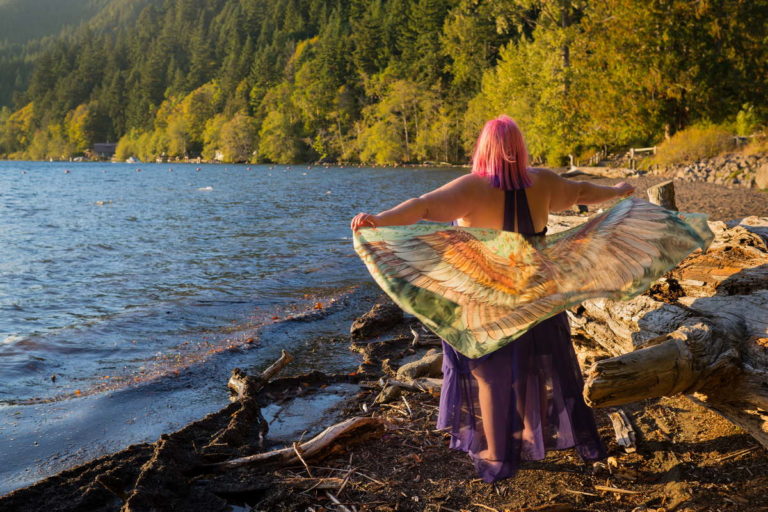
(364,220)
(624,189)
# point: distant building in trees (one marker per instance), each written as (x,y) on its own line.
(104,149)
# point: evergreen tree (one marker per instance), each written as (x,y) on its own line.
(367,39)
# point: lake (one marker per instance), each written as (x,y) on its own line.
(129,291)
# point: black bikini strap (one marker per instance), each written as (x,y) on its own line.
(524,221)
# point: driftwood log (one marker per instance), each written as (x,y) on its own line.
(663,194)
(625,434)
(332,440)
(430,365)
(702,330)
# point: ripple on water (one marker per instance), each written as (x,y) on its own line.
(101,272)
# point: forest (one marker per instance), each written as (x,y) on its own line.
(381,81)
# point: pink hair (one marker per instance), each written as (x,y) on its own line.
(500,155)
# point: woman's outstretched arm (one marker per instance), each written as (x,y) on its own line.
(566,193)
(452,201)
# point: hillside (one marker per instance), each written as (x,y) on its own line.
(28,28)
(24,20)
(385,81)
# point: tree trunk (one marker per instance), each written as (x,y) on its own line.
(565,49)
(407,144)
(702,330)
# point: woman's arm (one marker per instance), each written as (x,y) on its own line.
(566,193)
(452,201)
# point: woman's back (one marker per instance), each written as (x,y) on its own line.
(488,202)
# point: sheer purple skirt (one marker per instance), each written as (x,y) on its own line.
(518,402)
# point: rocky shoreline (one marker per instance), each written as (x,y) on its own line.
(732,170)
(686,458)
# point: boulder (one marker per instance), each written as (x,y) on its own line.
(761,176)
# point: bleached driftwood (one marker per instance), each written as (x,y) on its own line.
(701,331)
(242,384)
(625,434)
(392,389)
(331,440)
(601,172)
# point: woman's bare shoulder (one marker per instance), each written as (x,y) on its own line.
(543,172)
(472,178)
(467,182)
(547,179)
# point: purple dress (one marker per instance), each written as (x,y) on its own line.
(523,399)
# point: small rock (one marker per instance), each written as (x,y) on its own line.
(428,366)
(430,385)
(389,394)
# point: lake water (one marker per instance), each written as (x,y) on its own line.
(128,291)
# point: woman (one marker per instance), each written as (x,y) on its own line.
(526,397)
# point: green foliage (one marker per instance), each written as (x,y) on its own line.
(370,53)
(694,143)
(237,139)
(128,146)
(78,126)
(405,126)
(666,65)
(178,135)
(17,129)
(424,59)
(49,142)
(212,136)
(520,86)
(747,120)
(279,140)
(471,39)
(380,143)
